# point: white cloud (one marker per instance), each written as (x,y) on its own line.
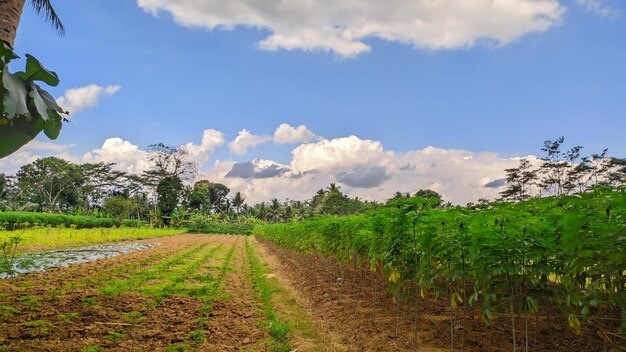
(364,169)
(338,154)
(343,26)
(211,140)
(361,167)
(600,8)
(286,134)
(127,156)
(78,99)
(47,146)
(246,140)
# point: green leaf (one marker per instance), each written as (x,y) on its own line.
(6,53)
(52,126)
(36,72)
(17,132)
(14,96)
(52,104)
(38,106)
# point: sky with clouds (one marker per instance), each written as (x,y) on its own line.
(280,98)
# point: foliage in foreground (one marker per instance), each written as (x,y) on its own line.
(25,108)
(568,251)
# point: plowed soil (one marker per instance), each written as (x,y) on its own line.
(65,310)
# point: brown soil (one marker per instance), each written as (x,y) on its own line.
(353,302)
(62,309)
(235,322)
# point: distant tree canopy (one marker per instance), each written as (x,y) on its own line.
(164,194)
(562,172)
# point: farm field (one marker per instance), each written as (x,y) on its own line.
(236,293)
(193,292)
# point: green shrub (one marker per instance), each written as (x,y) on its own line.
(202,225)
(24,220)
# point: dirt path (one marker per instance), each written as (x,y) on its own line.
(234,323)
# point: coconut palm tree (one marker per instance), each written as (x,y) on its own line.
(237,201)
(275,210)
(11,12)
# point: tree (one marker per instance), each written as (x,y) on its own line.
(119,207)
(4,182)
(556,167)
(100,182)
(617,175)
(275,210)
(168,191)
(11,12)
(51,182)
(169,161)
(519,181)
(238,201)
(207,196)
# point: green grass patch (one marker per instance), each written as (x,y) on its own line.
(264,289)
(38,239)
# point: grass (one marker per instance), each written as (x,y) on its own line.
(59,238)
(138,280)
(264,289)
(115,336)
(39,327)
(68,318)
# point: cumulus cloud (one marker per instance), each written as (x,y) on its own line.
(246,140)
(362,167)
(286,134)
(78,99)
(340,154)
(599,8)
(127,156)
(496,183)
(258,168)
(211,140)
(343,27)
(364,177)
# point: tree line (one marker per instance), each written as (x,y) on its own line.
(166,191)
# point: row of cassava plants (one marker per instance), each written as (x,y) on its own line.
(507,258)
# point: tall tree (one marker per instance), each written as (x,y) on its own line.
(275,210)
(170,161)
(238,201)
(51,182)
(168,192)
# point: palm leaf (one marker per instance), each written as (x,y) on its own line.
(44,7)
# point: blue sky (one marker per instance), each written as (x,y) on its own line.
(502,96)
